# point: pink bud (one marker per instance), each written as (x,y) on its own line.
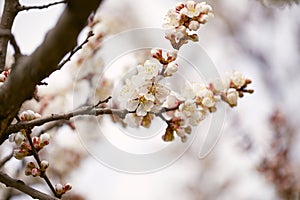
(35,172)
(67,187)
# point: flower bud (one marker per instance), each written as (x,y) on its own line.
(59,188)
(36,142)
(156,53)
(237,79)
(67,187)
(35,172)
(19,138)
(44,139)
(179,6)
(44,165)
(190,5)
(232,96)
(194,25)
(171,69)
(208,102)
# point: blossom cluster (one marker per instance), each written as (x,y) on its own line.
(24,149)
(145,95)
(33,170)
(184,20)
(196,100)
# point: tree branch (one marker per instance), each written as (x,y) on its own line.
(87,110)
(73,51)
(67,116)
(22,8)
(21,186)
(13,42)
(31,70)
(10,11)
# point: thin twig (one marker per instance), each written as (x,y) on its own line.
(102,102)
(88,110)
(38,160)
(67,116)
(13,42)
(22,8)
(73,51)
(21,186)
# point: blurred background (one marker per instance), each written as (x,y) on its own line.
(257,156)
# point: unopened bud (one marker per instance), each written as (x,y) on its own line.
(44,165)
(67,187)
(35,172)
(45,139)
(59,188)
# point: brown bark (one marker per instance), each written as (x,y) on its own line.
(31,70)
(9,13)
(21,186)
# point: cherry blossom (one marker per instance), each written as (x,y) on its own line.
(182,22)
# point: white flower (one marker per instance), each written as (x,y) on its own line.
(205,17)
(188,108)
(191,114)
(208,101)
(232,96)
(191,9)
(160,92)
(149,69)
(237,79)
(172,19)
(205,8)
(131,85)
(178,33)
(171,69)
(194,25)
(141,104)
(171,101)
(125,93)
